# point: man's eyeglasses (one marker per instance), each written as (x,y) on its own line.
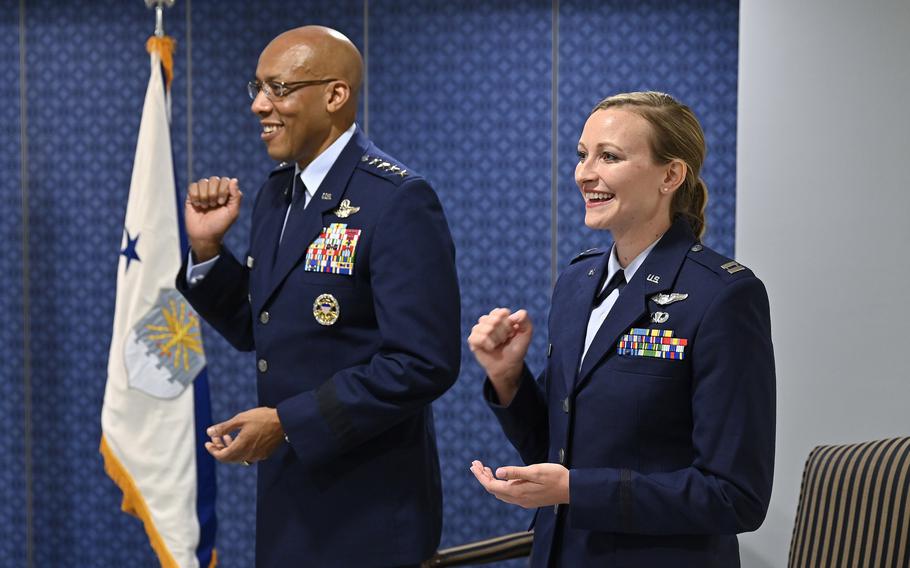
(279,89)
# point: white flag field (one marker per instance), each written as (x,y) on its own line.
(156,402)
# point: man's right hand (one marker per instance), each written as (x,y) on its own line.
(212,206)
(500,342)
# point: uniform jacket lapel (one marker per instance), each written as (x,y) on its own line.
(662,264)
(267,230)
(580,301)
(305,224)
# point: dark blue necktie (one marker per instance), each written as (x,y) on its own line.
(617,282)
(291,193)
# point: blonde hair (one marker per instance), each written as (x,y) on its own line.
(677,136)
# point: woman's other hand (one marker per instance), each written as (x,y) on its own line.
(538,485)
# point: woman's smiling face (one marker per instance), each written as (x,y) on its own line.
(622,186)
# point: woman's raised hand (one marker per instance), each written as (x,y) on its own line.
(499,342)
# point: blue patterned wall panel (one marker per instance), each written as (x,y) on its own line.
(461,93)
(87,72)
(687,48)
(227,39)
(12,480)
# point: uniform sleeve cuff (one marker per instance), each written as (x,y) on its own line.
(601,499)
(524,394)
(196,272)
(306,430)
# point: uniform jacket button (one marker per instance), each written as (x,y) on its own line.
(565,405)
(264,317)
(262,365)
(562,456)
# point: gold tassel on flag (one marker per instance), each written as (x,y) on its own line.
(164,47)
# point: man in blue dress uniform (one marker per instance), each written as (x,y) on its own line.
(349,297)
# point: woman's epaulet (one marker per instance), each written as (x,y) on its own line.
(586,253)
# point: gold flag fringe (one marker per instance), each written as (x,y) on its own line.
(134,504)
(164,47)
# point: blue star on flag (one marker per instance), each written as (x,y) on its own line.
(129,251)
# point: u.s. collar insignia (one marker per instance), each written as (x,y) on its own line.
(667,299)
(326,309)
(345,209)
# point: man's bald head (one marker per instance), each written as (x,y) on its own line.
(322,53)
(323,72)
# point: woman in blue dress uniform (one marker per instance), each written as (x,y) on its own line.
(649,436)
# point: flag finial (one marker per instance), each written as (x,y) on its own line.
(159,6)
(159,43)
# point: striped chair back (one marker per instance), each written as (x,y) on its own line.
(853,507)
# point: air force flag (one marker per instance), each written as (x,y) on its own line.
(156,403)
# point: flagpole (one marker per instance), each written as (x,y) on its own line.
(159,6)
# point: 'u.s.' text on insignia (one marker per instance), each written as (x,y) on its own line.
(333,251)
(326,309)
(653,278)
(667,299)
(654,343)
(163,350)
(345,209)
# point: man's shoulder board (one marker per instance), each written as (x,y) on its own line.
(385,167)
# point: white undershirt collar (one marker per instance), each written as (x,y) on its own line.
(314,173)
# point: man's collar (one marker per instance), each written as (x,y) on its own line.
(315,172)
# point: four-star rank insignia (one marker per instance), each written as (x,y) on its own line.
(326,309)
(383,165)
